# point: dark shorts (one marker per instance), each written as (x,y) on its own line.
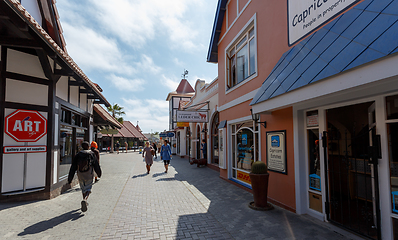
(166,162)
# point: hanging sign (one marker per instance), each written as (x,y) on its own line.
(276,151)
(305,16)
(26,125)
(109,131)
(182,124)
(191,116)
(24,149)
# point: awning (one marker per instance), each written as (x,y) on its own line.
(103,119)
(363,34)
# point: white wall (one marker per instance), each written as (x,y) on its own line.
(23,63)
(33,9)
(62,88)
(25,92)
(74,95)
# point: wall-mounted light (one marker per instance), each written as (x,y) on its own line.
(204,130)
(256,117)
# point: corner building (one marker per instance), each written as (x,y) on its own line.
(312,90)
(46,102)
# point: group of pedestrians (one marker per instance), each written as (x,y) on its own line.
(149,152)
(86,164)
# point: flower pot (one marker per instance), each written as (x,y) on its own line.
(260,189)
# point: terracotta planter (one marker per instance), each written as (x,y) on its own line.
(260,189)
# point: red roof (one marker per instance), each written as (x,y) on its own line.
(134,130)
(185,87)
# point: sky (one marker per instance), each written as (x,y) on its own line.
(137,50)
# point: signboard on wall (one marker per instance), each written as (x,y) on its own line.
(276,151)
(25,125)
(191,116)
(305,16)
(182,124)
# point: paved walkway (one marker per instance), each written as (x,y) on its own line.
(186,203)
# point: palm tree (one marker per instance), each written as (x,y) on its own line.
(116,112)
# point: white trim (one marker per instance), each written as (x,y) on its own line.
(232,24)
(239,100)
(364,79)
(234,41)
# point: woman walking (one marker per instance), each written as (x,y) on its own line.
(147,154)
(165,154)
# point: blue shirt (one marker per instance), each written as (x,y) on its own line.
(165,152)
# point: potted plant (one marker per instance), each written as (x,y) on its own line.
(259,180)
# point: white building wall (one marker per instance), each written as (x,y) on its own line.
(62,88)
(74,95)
(25,92)
(23,63)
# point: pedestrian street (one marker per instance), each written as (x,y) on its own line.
(186,203)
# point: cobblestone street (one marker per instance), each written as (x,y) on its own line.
(185,203)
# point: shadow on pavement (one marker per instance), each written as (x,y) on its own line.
(141,175)
(50,223)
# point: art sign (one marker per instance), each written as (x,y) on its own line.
(25,125)
(24,149)
(191,116)
(276,151)
(305,16)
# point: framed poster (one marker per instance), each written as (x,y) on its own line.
(276,151)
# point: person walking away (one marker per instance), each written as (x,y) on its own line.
(147,155)
(85,163)
(155,148)
(94,149)
(117,147)
(204,149)
(159,146)
(165,155)
(126,146)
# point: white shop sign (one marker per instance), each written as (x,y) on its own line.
(305,16)
(191,116)
(24,149)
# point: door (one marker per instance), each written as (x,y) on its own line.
(351,160)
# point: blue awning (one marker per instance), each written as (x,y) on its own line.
(365,33)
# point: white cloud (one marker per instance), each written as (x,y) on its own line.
(125,84)
(136,22)
(151,113)
(90,50)
(169,83)
(147,64)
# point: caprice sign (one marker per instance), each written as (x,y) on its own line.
(191,116)
(304,16)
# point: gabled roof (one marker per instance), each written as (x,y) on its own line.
(212,54)
(20,29)
(106,118)
(363,34)
(184,87)
(134,130)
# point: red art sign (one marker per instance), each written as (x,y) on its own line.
(25,126)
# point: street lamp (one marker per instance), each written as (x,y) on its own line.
(256,117)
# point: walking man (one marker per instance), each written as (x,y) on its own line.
(204,149)
(155,148)
(85,163)
(117,147)
(165,155)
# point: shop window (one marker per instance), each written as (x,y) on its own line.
(241,59)
(66,146)
(245,150)
(393,155)
(214,138)
(395,227)
(392,107)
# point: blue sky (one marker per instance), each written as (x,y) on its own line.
(137,50)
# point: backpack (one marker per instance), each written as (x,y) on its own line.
(85,162)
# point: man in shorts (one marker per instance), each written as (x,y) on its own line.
(84,175)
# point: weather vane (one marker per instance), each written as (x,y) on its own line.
(185,75)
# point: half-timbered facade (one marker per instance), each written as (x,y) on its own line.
(46,102)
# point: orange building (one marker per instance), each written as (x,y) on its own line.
(311,88)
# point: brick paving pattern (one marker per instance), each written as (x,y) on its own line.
(185,203)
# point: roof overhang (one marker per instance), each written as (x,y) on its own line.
(212,54)
(20,30)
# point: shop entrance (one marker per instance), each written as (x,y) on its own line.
(351,159)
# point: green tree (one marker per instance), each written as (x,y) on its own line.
(116,111)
